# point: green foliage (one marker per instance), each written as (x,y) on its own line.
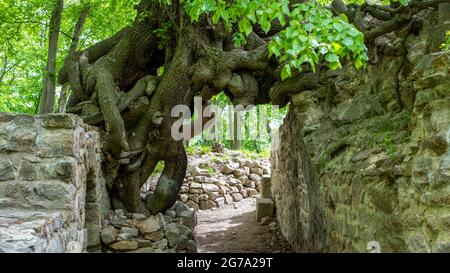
(446,44)
(191,150)
(311,30)
(205,150)
(24,41)
(402,2)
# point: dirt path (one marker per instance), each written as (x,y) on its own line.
(235,230)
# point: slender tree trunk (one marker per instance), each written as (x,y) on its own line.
(47,100)
(63,96)
(236,132)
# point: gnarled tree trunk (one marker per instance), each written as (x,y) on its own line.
(115,87)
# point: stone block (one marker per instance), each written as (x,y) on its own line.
(7,171)
(58,121)
(266,191)
(265,207)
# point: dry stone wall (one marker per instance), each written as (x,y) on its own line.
(223,179)
(52,191)
(171,232)
(364,159)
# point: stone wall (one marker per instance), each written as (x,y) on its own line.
(170,232)
(52,192)
(216,180)
(365,156)
(234,179)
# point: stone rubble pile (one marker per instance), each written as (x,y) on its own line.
(172,232)
(218,183)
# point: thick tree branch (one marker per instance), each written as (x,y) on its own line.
(280,92)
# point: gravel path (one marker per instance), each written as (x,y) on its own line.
(235,230)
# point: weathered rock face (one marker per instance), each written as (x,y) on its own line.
(52,192)
(366,156)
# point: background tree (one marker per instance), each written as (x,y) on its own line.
(47,100)
(73,47)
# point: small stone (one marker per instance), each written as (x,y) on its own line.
(155,236)
(233,181)
(244,193)
(171,213)
(173,234)
(120,213)
(266,220)
(192,205)
(139,216)
(161,220)
(249,164)
(223,190)
(196,191)
(143,250)
(161,244)
(148,226)
(213,195)
(191,247)
(133,232)
(194,197)
(143,242)
(197,171)
(195,185)
(228,199)
(234,189)
(238,172)
(184,197)
(181,207)
(108,235)
(124,245)
(124,237)
(255,177)
(229,168)
(257,171)
(237,197)
(189,218)
(210,188)
(243,179)
(205,205)
(220,201)
(202,179)
(203,197)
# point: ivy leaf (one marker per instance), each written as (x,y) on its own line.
(335,65)
(338,26)
(245,26)
(286,72)
(265,24)
(331,58)
(308,27)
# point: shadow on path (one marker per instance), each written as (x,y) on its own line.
(235,230)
